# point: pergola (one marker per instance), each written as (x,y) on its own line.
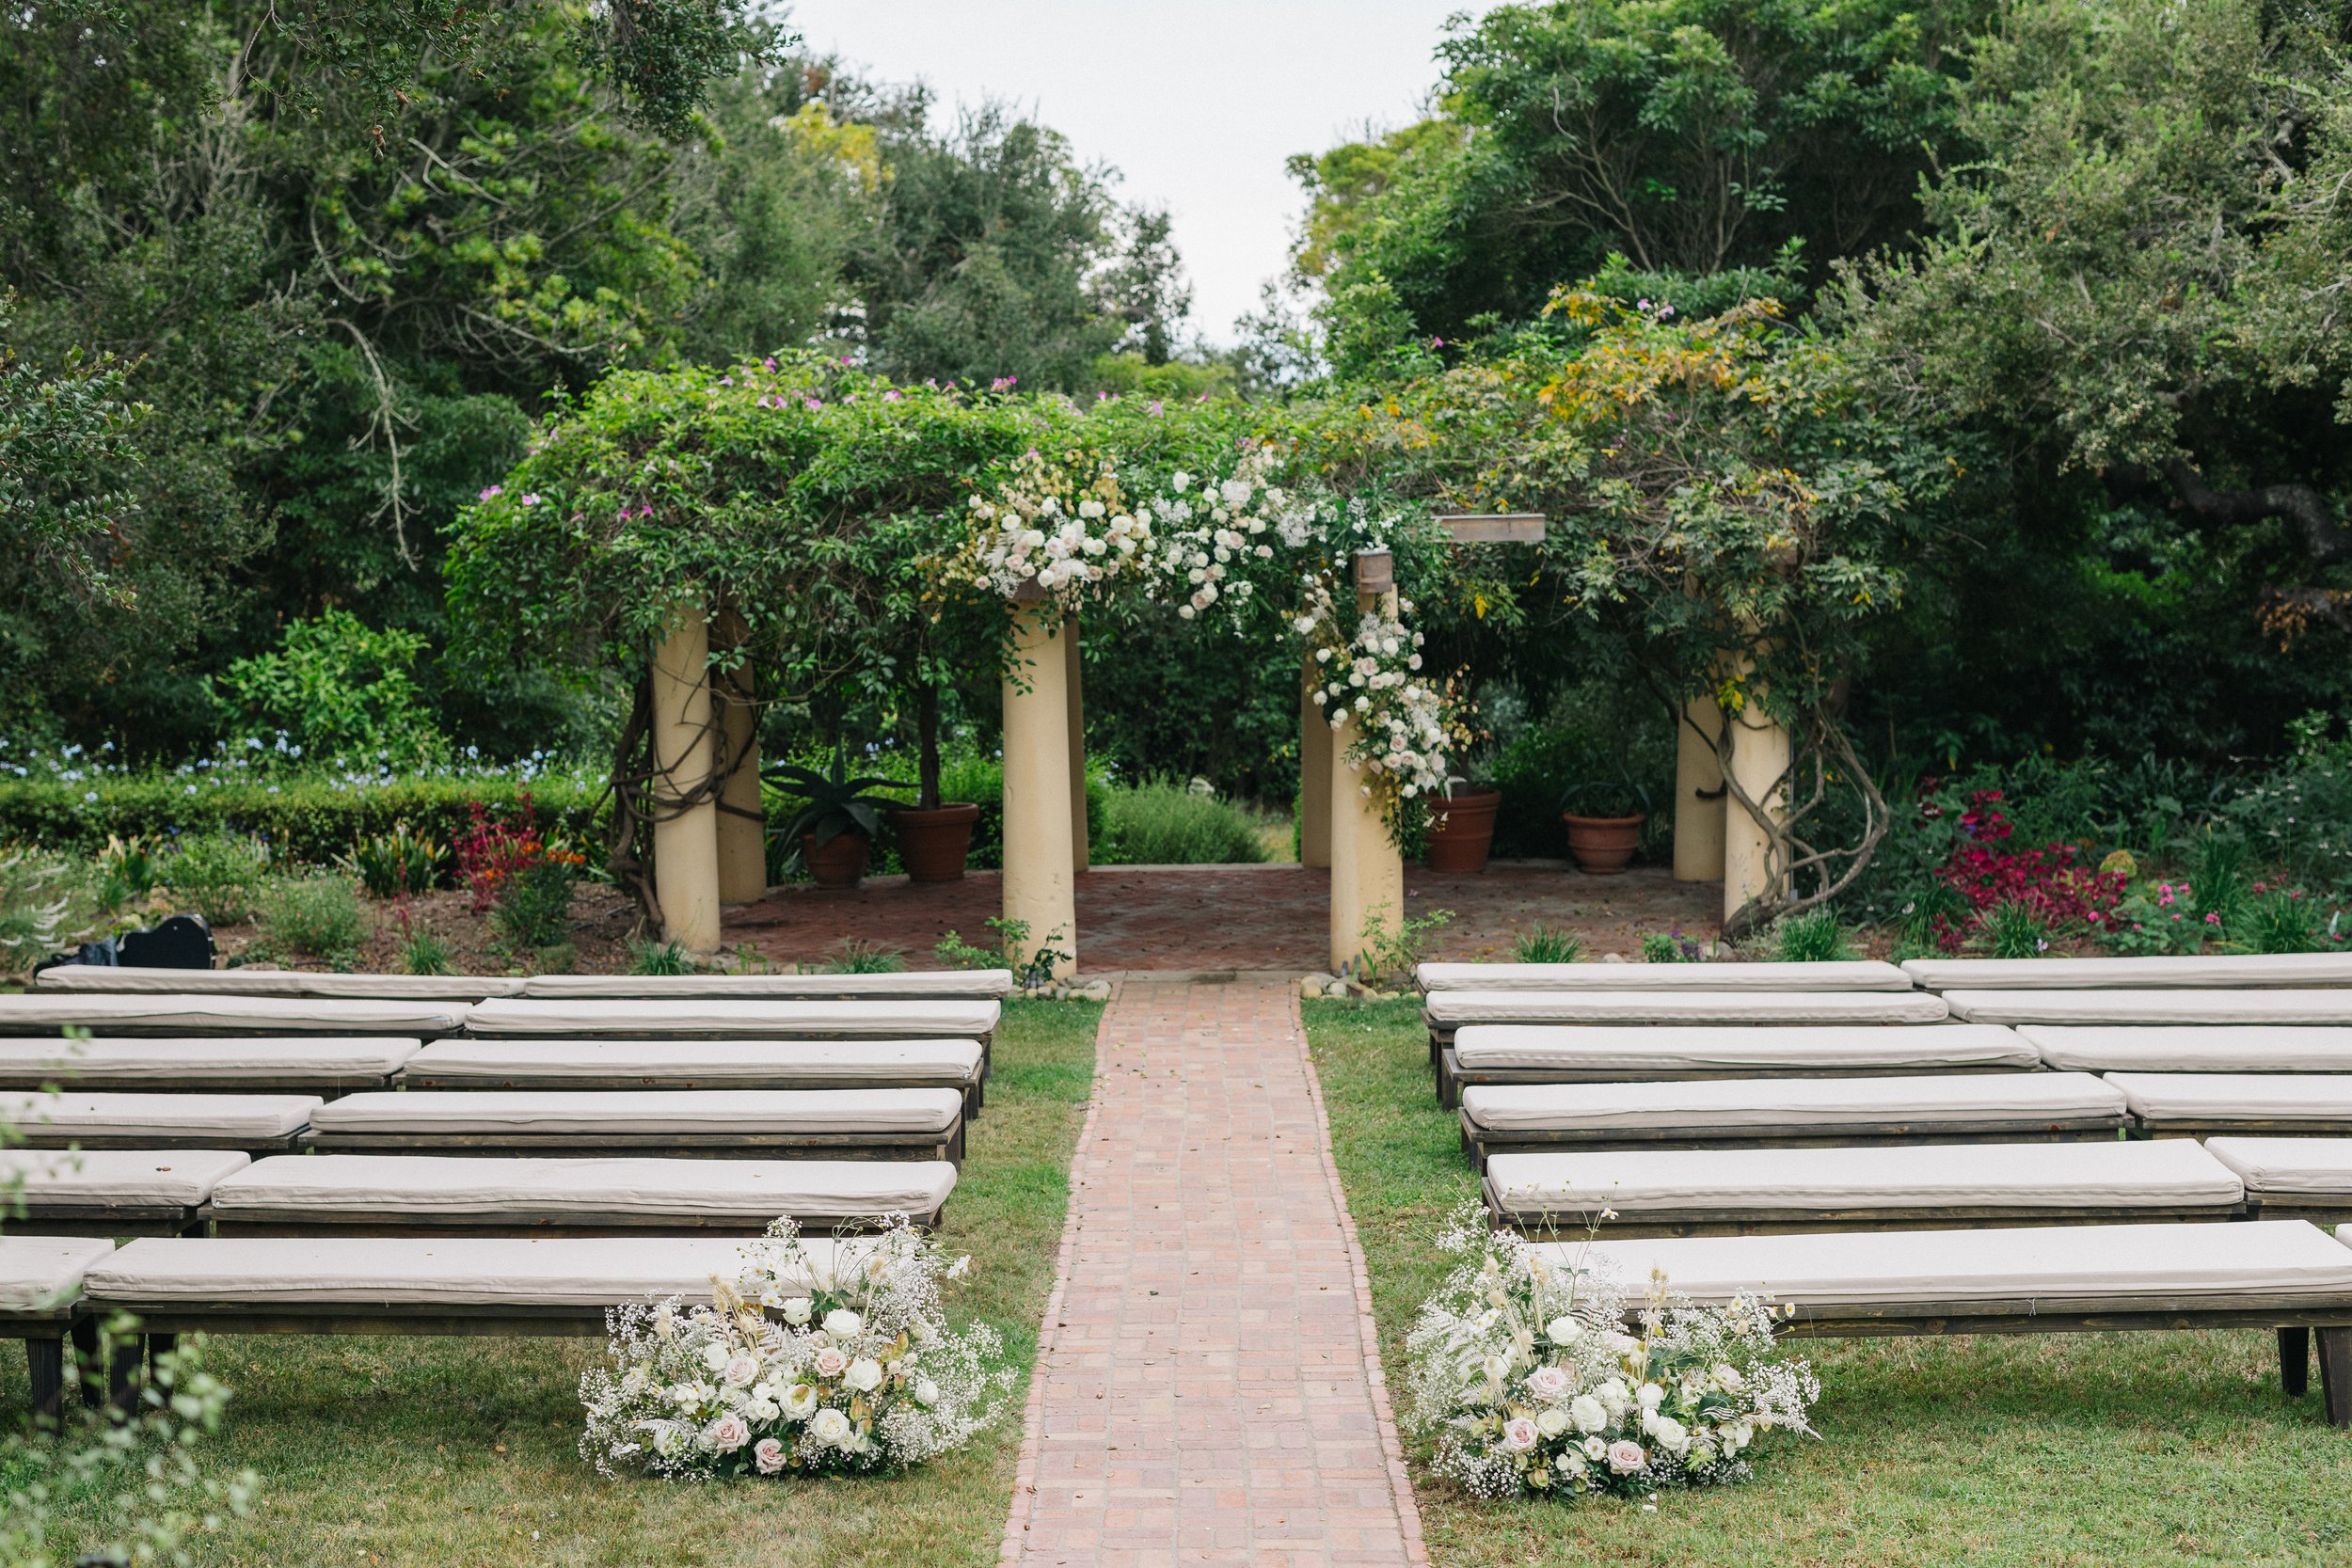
(709,833)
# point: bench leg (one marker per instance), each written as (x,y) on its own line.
(2335,1374)
(2294,1361)
(45,1359)
(89,1361)
(159,1346)
(125,1356)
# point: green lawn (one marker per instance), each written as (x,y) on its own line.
(2055,1449)
(449,1452)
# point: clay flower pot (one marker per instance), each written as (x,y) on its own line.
(837,862)
(1462,831)
(934,842)
(1603,845)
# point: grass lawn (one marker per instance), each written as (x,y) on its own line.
(2051,1449)
(449,1452)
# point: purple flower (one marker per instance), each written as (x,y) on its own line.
(487,494)
(529,499)
(812,404)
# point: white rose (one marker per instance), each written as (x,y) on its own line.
(740,1370)
(1727,1377)
(842,1323)
(1497,1368)
(1670,1435)
(797,1310)
(1625,1457)
(1553,1422)
(1547,1383)
(925,1392)
(830,1427)
(1564,1331)
(714,1358)
(1595,1449)
(767,1454)
(1589,1415)
(801,1404)
(1571,1464)
(865,1375)
(1652,1396)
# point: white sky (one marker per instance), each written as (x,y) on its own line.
(1197,103)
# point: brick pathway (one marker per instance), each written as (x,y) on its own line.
(1209,1387)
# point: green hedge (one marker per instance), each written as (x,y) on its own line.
(310,817)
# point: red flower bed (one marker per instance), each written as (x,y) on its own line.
(2052,881)
(497,851)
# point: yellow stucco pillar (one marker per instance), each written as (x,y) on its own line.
(1314,770)
(685,838)
(1040,885)
(1367,869)
(742,820)
(1699,798)
(1759,761)
(1075,676)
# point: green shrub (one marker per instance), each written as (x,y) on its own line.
(402,861)
(1161,822)
(534,911)
(128,869)
(866,957)
(422,953)
(338,688)
(659,957)
(2013,930)
(220,874)
(1546,945)
(1811,938)
(45,905)
(313,917)
(1670,947)
(2278,922)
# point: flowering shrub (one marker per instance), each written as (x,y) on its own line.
(499,853)
(2053,882)
(1523,1375)
(803,1363)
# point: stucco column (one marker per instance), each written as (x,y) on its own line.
(1040,888)
(742,820)
(1314,770)
(1700,800)
(1759,758)
(685,841)
(1367,869)
(1075,677)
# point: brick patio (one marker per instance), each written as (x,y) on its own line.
(1208,1388)
(1216,917)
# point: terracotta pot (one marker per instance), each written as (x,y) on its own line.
(839,862)
(1602,846)
(1461,830)
(934,842)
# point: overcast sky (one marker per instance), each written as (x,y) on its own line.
(1197,103)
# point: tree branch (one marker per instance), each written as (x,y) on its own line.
(2324,539)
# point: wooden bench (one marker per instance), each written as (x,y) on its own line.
(1734,1112)
(256,1124)
(2200,971)
(40,1286)
(324,1066)
(1446,1012)
(1748,978)
(734,1017)
(1603,1053)
(866,1124)
(2197,1104)
(949,985)
(2219,1048)
(109,1192)
(1893,1186)
(2282,1274)
(377,1195)
(608,1064)
(105,979)
(2153,1008)
(51,1013)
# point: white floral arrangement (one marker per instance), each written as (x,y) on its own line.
(1370,671)
(1209,533)
(802,1364)
(1525,1380)
(1053,525)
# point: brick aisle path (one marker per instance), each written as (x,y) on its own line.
(1209,1388)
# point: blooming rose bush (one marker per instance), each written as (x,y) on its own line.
(802,1364)
(1524,1377)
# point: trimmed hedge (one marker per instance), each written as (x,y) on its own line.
(308,817)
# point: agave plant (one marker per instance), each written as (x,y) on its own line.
(836,804)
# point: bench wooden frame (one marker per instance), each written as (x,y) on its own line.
(946,1144)
(179,1081)
(46,1135)
(2234,1127)
(1634,1224)
(410,1222)
(1481,1143)
(30,1213)
(1452,1078)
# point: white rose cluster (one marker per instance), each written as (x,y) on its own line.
(1524,1377)
(1046,528)
(806,1362)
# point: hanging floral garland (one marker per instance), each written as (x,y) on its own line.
(1214,545)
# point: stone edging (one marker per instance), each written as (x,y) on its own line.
(1033,1408)
(1391,1448)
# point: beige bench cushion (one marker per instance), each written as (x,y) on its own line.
(1853,974)
(40,1274)
(1636,1049)
(572,1112)
(944,985)
(1453,1008)
(87,979)
(185,1177)
(2158,1098)
(2221,971)
(161,1117)
(704,1061)
(2288,1168)
(2220,1048)
(292,1273)
(2152,1007)
(2059,1267)
(361,1185)
(1825,1102)
(737,1017)
(2155,1174)
(50,1012)
(270,1059)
